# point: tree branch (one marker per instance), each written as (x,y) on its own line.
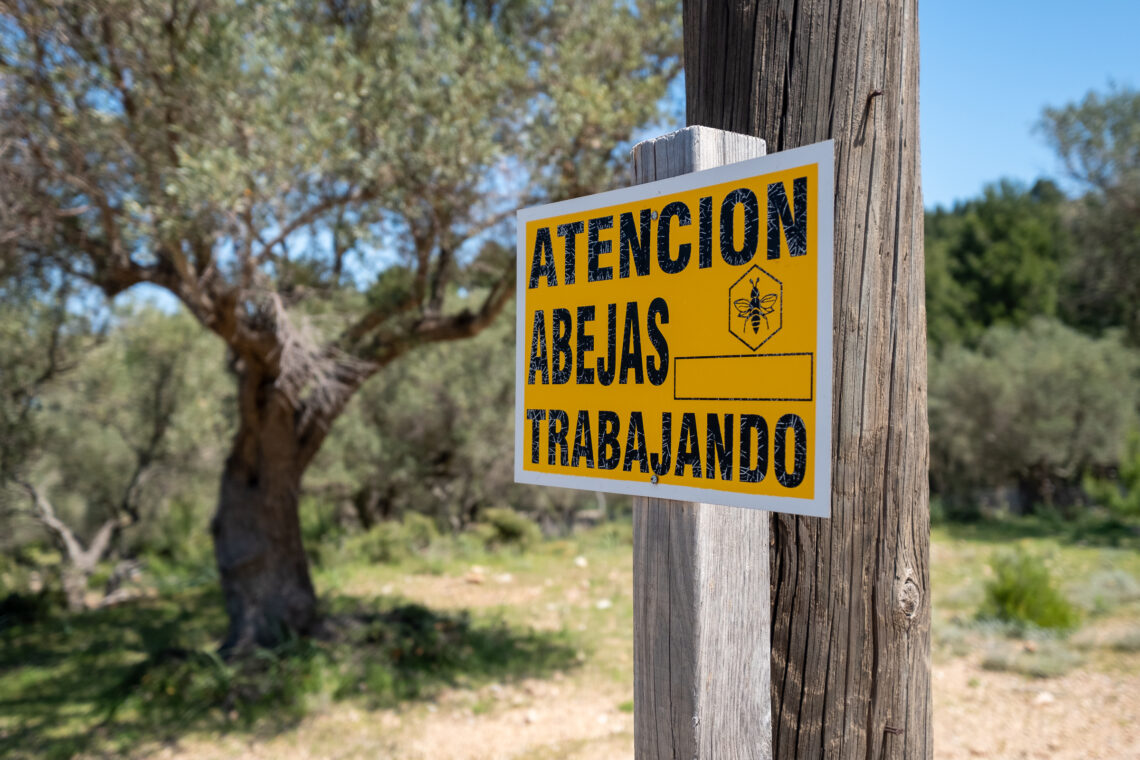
(43,511)
(313,213)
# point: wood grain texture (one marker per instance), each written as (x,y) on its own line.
(851,595)
(700,575)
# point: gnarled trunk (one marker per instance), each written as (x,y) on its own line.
(257,531)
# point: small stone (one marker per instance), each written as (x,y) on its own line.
(504,578)
(581,561)
(1044,698)
(604,604)
(530,717)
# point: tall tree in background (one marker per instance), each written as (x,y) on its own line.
(997,259)
(1098,140)
(262,162)
(850,595)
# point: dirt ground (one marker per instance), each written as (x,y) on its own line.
(1093,712)
(978,714)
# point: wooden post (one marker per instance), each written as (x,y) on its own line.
(851,595)
(700,574)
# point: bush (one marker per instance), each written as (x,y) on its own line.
(394,541)
(1022,593)
(500,527)
(419,530)
(1031,409)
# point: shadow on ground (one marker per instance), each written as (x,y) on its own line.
(145,672)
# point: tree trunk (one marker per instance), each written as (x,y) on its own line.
(850,595)
(257,531)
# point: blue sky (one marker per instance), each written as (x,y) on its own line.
(988,69)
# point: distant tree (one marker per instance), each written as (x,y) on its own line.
(434,434)
(39,339)
(312,181)
(1034,407)
(115,438)
(1098,139)
(997,259)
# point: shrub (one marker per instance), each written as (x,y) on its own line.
(1022,593)
(1120,498)
(394,541)
(1030,409)
(419,530)
(501,527)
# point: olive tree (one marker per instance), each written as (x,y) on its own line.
(311,180)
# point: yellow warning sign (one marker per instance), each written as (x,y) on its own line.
(674,338)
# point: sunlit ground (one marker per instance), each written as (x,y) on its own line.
(461,654)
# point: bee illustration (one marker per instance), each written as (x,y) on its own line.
(755,307)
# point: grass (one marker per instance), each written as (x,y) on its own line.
(113,679)
(1100,577)
(449,622)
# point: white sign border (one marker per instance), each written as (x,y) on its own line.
(819,505)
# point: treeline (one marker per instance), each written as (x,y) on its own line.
(1033,314)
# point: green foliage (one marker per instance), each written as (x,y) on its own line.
(131,431)
(1022,592)
(39,339)
(1121,497)
(392,541)
(324,186)
(420,530)
(147,671)
(502,527)
(433,435)
(1098,139)
(1033,407)
(994,260)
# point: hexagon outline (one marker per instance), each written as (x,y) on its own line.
(732,312)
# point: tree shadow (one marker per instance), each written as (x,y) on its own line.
(146,672)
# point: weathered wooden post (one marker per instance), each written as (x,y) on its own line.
(700,574)
(851,595)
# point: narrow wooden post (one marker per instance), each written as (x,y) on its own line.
(701,616)
(851,595)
